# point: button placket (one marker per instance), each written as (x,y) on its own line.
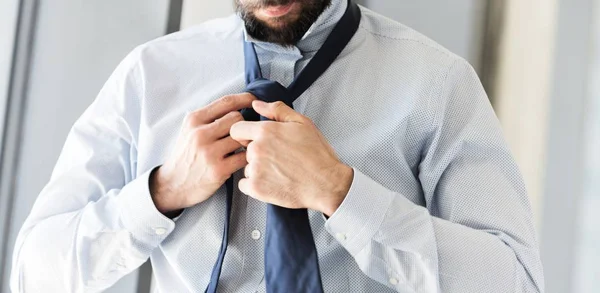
(254,244)
(250,216)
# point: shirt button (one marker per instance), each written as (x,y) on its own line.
(340,236)
(255,234)
(393,281)
(160,231)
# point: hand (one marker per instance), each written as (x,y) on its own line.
(290,163)
(201,161)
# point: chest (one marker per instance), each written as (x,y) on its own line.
(371,117)
(372,124)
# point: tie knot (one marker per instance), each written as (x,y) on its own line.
(267,90)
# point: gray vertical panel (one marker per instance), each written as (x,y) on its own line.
(564,178)
(9,10)
(77,45)
(174,19)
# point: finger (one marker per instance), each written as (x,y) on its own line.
(244,187)
(220,128)
(222,106)
(235,162)
(250,169)
(227,145)
(244,143)
(245,130)
(277,111)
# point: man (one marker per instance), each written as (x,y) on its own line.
(394,150)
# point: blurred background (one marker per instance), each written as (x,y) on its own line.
(539,61)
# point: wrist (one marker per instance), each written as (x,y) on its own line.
(343,177)
(162,194)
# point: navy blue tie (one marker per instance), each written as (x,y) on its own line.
(291,261)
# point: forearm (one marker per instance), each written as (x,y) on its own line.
(91,248)
(400,244)
(483,260)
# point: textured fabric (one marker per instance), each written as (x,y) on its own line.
(437,203)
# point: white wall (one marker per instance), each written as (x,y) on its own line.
(77,45)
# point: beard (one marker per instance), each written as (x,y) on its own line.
(286,30)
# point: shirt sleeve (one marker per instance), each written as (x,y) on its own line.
(94,222)
(476,232)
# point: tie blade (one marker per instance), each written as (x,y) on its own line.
(291,260)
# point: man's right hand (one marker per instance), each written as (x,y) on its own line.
(201,161)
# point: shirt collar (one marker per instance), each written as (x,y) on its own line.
(316,34)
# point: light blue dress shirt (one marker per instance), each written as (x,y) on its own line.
(437,203)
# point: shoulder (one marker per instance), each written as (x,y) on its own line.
(205,38)
(405,43)
(419,65)
(425,64)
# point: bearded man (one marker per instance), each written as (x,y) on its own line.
(296,146)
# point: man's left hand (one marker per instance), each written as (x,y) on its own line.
(290,163)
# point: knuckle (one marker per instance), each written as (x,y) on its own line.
(195,139)
(278,106)
(248,97)
(249,171)
(307,121)
(254,149)
(228,100)
(231,118)
(199,135)
(250,149)
(191,119)
(237,116)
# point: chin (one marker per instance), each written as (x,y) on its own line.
(280,22)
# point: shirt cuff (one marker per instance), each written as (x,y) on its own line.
(139,214)
(361,213)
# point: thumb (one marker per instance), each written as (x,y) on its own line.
(277,111)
